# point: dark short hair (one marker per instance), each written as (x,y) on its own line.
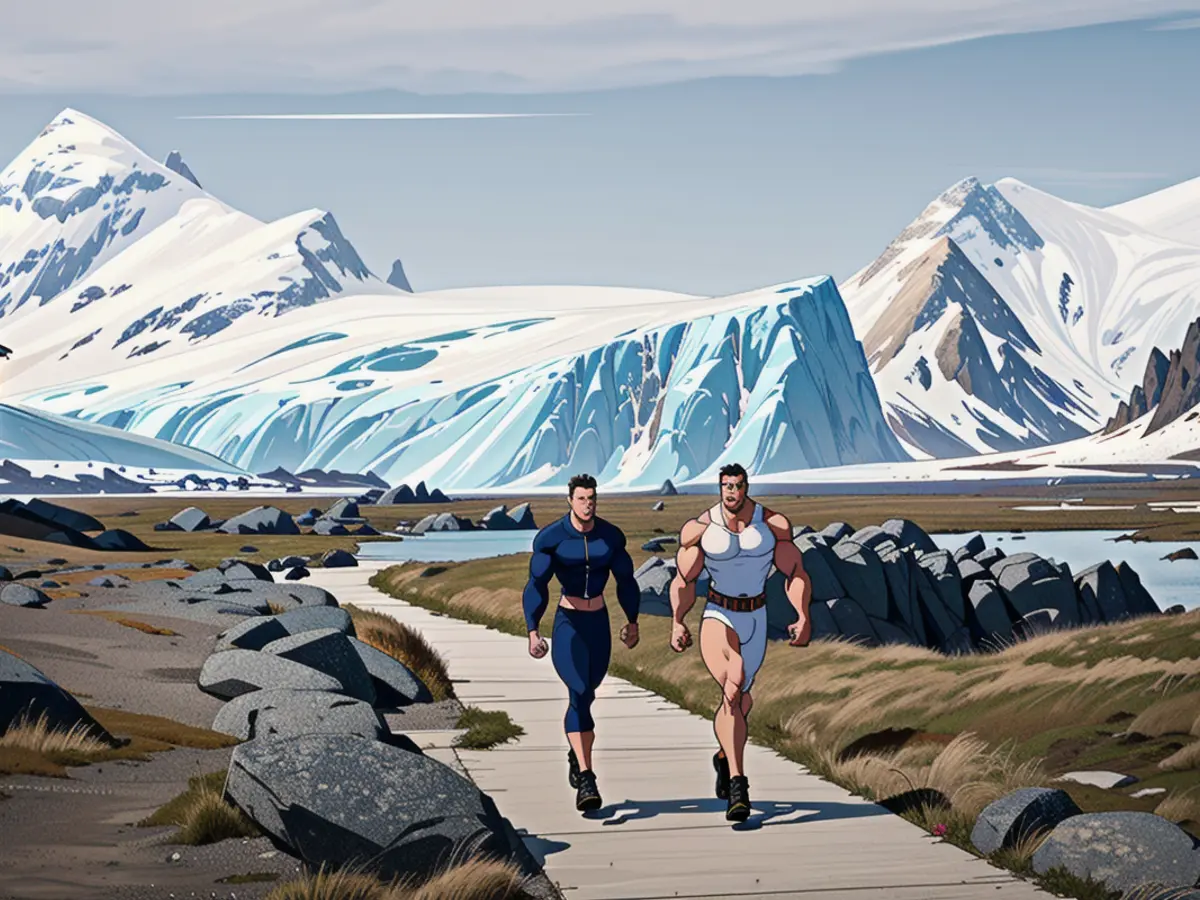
(733,470)
(580,481)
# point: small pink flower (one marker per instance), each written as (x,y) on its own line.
(939,830)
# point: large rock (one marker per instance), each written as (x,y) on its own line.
(871,536)
(329,528)
(990,615)
(820,564)
(1122,850)
(852,621)
(1138,598)
(190,519)
(889,633)
(119,539)
(65,517)
(498,520)
(522,515)
(260,520)
(340,800)
(1005,822)
(902,575)
(654,575)
(256,633)
(909,536)
(243,570)
(859,570)
(287,713)
(824,625)
(668,489)
(327,650)
(231,673)
(395,684)
(22,595)
(338,559)
(1032,583)
(1100,591)
(26,695)
(5,574)
(286,562)
(399,494)
(343,509)
(835,531)
(989,556)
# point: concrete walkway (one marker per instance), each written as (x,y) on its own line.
(662,833)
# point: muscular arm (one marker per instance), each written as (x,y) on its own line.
(689,563)
(790,562)
(536,597)
(629,595)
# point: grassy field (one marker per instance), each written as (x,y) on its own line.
(882,721)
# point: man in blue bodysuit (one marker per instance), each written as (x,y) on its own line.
(581,549)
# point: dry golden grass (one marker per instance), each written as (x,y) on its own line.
(473,879)
(209,818)
(1019,857)
(111,616)
(408,646)
(1184,759)
(36,736)
(1177,715)
(1180,806)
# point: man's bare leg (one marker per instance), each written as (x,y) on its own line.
(720,648)
(581,742)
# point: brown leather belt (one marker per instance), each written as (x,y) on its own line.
(737,604)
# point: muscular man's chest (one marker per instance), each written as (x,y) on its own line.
(575,553)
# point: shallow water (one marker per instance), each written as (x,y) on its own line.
(449,546)
(1168,582)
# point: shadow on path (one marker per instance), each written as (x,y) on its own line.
(763,812)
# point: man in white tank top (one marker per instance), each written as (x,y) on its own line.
(737,541)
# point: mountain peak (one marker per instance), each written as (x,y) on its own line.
(175,163)
(398,279)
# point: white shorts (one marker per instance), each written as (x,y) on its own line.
(751,628)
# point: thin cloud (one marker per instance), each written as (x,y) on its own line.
(381,116)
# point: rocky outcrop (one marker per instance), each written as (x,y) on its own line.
(1181,386)
(1145,396)
(1005,822)
(27,696)
(260,520)
(405,494)
(890,584)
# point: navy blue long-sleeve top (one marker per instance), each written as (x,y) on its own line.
(582,562)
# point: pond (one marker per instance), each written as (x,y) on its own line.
(1168,582)
(449,546)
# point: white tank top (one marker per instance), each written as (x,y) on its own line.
(738,564)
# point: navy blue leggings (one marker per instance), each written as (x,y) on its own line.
(580,648)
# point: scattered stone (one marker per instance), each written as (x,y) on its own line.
(418,809)
(1004,822)
(296,573)
(668,489)
(248,549)
(260,520)
(327,650)
(1107,780)
(329,528)
(395,684)
(282,713)
(659,506)
(109,581)
(231,673)
(254,634)
(1122,850)
(5,574)
(22,595)
(190,519)
(26,694)
(117,539)
(338,559)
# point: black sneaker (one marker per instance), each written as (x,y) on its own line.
(721,764)
(587,797)
(739,799)
(573,770)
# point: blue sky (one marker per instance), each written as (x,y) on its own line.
(709,185)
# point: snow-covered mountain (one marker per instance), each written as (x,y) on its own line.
(133,257)
(1173,212)
(465,389)
(1004,317)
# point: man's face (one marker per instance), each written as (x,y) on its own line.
(583,503)
(733,492)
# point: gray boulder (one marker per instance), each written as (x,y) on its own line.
(824,625)
(1032,583)
(989,556)
(1122,850)
(498,520)
(190,519)
(668,489)
(659,544)
(835,531)
(654,575)
(1100,592)
(287,562)
(256,633)
(522,514)
(288,713)
(889,633)
(798,530)
(1039,621)
(260,520)
(243,570)
(859,570)
(109,581)
(409,814)
(871,536)
(852,621)
(659,506)
(5,574)
(338,559)
(329,528)
(425,524)
(297,573)
(820,563)
(327,650)
(26,695)
(969,571)
(15,594)
(231,673)
(974,546)
(995,627)
(1139,600)
(902,575)
(343,509)
(1005,822)
(395,684)
(909,536)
